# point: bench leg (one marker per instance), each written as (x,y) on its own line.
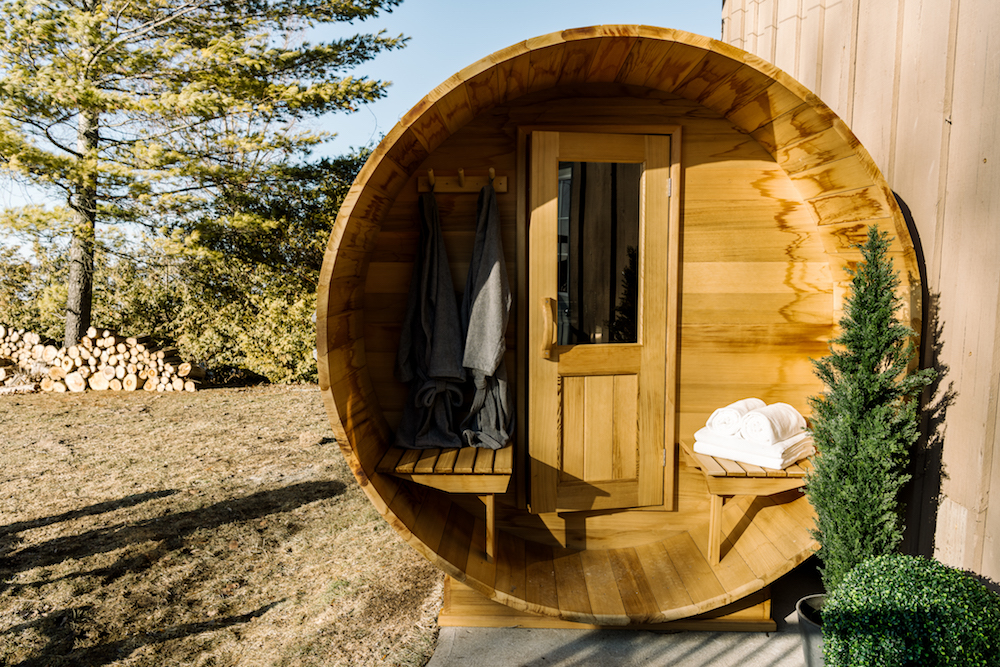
(714,529)
(489,500)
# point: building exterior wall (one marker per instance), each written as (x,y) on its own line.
(918,81)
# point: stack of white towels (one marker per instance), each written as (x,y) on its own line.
(750,431)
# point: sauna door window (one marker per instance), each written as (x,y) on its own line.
(601,302)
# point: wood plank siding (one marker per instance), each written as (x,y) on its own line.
(919,83)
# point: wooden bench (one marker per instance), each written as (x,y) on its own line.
(726,477)
(484,472)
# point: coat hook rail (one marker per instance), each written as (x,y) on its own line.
(460,182)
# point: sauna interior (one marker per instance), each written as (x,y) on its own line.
(748,195)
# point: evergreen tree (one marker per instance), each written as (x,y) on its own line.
(865,422)
(145,111)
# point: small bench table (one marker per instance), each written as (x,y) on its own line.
(726,477)
(484,472)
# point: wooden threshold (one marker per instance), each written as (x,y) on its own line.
(464,607)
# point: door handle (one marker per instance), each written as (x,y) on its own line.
(549,326)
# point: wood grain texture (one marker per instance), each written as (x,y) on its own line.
(774,191)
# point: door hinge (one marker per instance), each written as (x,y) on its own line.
(670,187)
(664,461)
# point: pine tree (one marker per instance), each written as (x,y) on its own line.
(865,422)
(145,111)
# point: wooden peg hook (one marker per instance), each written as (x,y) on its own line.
(430,178)
(461,177)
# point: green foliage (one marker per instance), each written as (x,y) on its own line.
(623,326)
(187,97)
(153,112)
(33,288)
(230,296)
(865,422)
(898,611)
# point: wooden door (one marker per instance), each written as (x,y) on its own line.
(602,301)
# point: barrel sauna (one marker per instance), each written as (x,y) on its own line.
(753,194)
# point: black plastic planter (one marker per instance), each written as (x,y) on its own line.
(810,610)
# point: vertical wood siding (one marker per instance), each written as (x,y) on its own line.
(918,81)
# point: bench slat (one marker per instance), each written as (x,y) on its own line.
(391,458)
(466,460)
(425,464)
(408,460)
(446,462)
(504,462)
(484,461)
(733,468)
(710,466)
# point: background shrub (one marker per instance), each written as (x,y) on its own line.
(896,611)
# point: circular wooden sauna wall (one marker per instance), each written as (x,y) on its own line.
(775,192)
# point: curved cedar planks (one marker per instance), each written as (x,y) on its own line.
(759,143)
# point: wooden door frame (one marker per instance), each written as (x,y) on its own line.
(523,160)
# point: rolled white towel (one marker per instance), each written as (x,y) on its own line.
(772,423)
(735,443)
(794,449)
(727,420)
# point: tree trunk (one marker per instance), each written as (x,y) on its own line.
(83,204)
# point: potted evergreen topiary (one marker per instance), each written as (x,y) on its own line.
(897,610)
(864,424)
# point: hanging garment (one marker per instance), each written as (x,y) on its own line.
(430,344)
(485,312)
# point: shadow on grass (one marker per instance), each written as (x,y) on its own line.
(90,510)
(170,529)
(8,533)
(58,626)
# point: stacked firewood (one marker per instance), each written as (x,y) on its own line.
(101,360)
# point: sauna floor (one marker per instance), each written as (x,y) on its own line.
(666,580)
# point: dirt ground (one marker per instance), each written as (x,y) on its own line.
(215,528)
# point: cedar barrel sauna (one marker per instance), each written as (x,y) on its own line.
(737,196)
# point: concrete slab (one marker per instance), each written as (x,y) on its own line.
(522,647)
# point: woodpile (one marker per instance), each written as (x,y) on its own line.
(102,360)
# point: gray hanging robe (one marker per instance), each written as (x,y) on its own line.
(485,312)
(430,344)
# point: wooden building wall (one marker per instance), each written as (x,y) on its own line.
(918,81)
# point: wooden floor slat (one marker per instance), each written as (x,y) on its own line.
(647,583)
(665,582)
(602,589)
(457,539)
(637,595)
(658,581)
(428,527)
(540,576)
(510,578)
(697,576)
(480,568)
(732,571)
(754,546)
(572,596)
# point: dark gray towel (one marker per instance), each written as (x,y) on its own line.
(485,312)
(430,344)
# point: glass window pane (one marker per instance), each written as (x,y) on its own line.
(598,250)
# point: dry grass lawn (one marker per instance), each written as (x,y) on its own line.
(216,528)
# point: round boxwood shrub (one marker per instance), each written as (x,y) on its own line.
(895,611)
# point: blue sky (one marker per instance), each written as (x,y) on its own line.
(447,35)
